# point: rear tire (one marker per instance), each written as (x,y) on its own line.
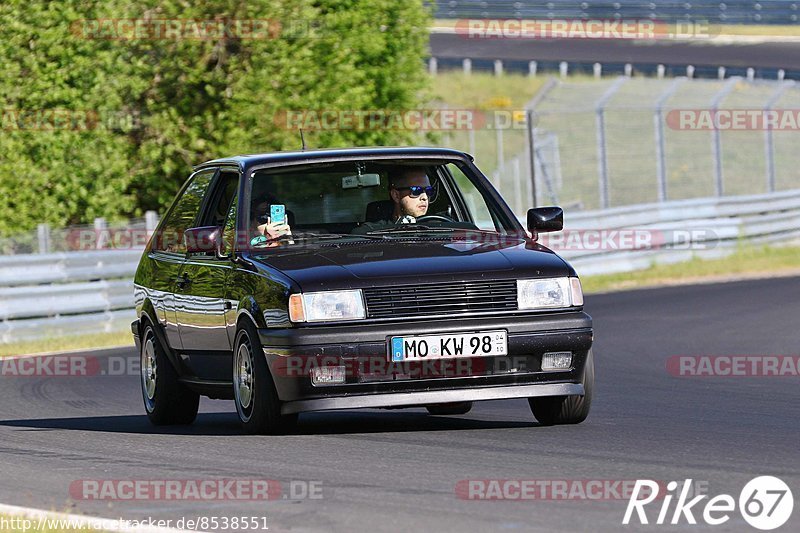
(574,409)
(167,401)
(254,393)
(444,409)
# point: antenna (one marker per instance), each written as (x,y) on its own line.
(302,139)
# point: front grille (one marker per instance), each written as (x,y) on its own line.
(441,298)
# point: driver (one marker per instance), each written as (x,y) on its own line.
(411,192)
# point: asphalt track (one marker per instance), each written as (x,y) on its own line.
(398,470)
(778,55)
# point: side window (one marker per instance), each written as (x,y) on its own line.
(216,211)
(183,214)
(229,230)
(481,216)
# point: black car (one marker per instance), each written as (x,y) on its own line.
(356,278)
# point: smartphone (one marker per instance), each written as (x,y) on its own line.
(277,213)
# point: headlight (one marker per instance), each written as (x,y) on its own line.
(326,306)
(549,293)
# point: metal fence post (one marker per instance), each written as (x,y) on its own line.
(472,145)
(150,221)
(100,227)
(43,236)
(517,186)
(501,157)
(530,129)
(498,67)
(769,142)
(602,153)
(716,136)
(661,145)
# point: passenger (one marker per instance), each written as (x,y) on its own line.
(261,226)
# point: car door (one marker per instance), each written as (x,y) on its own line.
(202,307)
(167,253)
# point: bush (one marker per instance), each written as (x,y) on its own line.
(96,124)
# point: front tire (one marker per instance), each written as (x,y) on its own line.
(574,409)
(254,393)
(167,401)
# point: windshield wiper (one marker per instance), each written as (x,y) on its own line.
(408,228)
(404,228)
(309,236)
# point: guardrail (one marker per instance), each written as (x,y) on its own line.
(729,11)
(48,295)
(52,295)
(673,232)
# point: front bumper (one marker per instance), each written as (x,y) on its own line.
(372,381)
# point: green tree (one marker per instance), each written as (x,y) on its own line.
(184,100)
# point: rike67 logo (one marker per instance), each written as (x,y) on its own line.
(765,503)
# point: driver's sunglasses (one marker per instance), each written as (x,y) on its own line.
(416,191)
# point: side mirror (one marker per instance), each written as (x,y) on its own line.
(204,240)
(544,219)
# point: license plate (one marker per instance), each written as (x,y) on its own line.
(426,347)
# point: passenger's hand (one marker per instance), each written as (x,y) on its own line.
(273,230)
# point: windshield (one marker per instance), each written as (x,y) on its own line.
(369,199)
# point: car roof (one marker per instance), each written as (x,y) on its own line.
(243,161)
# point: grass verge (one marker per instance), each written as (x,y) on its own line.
(63,344)
(745,262)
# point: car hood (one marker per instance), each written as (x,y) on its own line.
(344,265)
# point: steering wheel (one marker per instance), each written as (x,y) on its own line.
(442,218)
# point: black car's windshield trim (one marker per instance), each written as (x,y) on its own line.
(358,157)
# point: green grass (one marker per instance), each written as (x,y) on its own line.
(63,344)
(747,261)
(484,91)
(569,115)
(753,29)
